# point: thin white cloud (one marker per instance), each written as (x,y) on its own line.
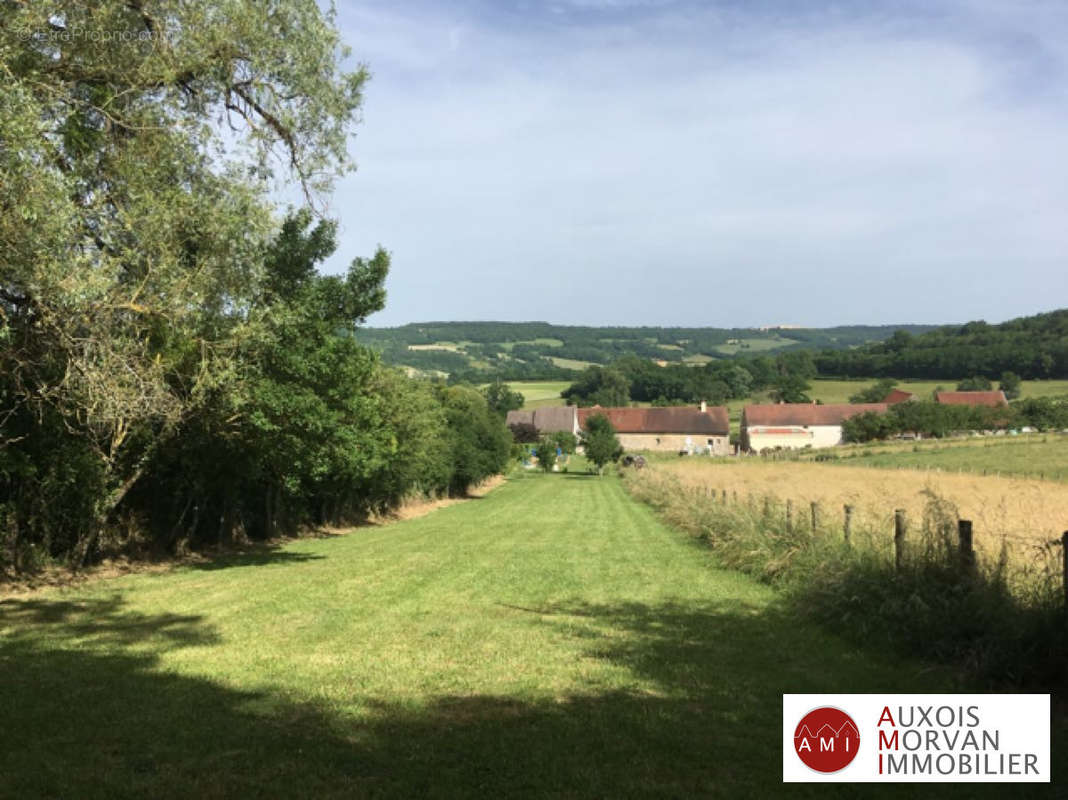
(683,167)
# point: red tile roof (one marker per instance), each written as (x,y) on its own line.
(990,399)
(806,413)
(897,396)
(677,419)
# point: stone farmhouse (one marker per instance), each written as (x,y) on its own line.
(675,429)
(797,425)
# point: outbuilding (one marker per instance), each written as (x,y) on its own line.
(550,419)
(994,399)
(798,425)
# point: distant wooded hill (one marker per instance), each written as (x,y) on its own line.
(1034,347)
(540,350)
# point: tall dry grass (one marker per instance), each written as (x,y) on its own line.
(1001,620)
(1023,515)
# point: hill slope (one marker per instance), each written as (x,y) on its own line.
(1033,347)
(540,350)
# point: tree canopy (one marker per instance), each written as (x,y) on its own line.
(171,360)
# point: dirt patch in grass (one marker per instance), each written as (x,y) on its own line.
(419,508)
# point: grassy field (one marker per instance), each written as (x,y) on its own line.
(754,345)
(540,393)
(1043,456)
(550,639)
(830,391)
(571,363)
(546,393)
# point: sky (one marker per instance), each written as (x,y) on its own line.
(741,163)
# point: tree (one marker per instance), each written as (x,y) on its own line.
(545,452)
(502,399)
(1010,384)
(600,442)
(479,443)
(875,393)
(601,386)
(127,270)
(566,441)
(790,389)
(975,384)
(524,433)
(868,426)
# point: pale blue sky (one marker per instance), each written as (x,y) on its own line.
(728,164)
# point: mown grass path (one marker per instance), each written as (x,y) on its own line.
(550,639)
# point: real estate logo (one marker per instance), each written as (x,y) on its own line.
(826,739)
(916,738)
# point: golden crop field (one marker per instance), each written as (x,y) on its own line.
(1028,512)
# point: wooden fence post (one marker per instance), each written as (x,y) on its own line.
(789,516)
(899,538)
(724,497)
(967,550)
(767,507)
(848,523)
(815,516)
(1064,559)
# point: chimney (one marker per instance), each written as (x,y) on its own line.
(704,406)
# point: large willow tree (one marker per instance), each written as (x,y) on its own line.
(139,140)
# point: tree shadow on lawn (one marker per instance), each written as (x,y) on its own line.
(87,712)
(254,556)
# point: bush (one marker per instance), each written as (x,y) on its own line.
(545,452)
(600,442)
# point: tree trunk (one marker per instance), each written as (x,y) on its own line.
(84,545)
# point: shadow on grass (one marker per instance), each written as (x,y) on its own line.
(86,714)
(254,556)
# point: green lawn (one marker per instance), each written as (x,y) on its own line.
(1037,455)
(550,639)
(540,393)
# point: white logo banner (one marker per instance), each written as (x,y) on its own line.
(915,738)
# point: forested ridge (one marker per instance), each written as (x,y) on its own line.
(471,351)
(1034,347)
(173,368)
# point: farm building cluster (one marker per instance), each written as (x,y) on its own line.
(705,430)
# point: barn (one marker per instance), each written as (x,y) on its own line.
(994,399)
(551,419)
(675,429)
(797,425)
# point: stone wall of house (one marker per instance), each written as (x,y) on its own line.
(675,442)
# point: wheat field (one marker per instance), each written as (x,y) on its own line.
(1027,513)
